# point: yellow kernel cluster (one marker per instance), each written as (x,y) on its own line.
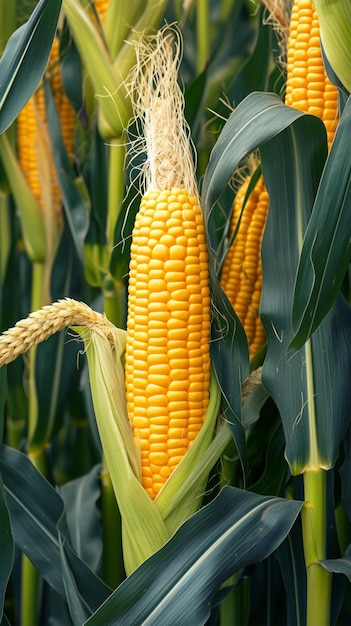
(241,275)
(308,88)
(101,8)
(32,125)
(167,353)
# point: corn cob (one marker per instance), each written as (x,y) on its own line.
(167,352)
(32,130)
(308,89)
(101,8)
(241,275)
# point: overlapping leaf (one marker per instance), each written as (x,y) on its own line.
(257,118)
(36,512)
(6,541)
(24,60)
(326,249)
(178,583)
(311,386)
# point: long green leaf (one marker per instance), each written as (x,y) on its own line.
(24,60)
(326,249)
(311,386)
(36,511)
(176,585)
(339,566)
(6,541)
(83,518)
(257,118)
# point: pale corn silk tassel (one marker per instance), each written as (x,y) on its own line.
(167,349)
(41,324)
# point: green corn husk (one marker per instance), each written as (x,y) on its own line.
(31,215)
(109,68)
(147,524)
(335,28)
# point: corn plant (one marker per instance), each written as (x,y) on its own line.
(174,299)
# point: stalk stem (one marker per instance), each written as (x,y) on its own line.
(30,576)
(112,559)
(114,294)
(115,186)
(29,593)
(203,34)
(314,539)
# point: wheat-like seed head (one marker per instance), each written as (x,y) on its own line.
(41,324)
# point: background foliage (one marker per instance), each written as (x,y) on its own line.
(243,557)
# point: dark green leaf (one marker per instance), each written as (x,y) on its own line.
(176,585)
(78,611)
(36,511)
(254,75)
(71,70)
(291,559)
(80,497)
(326,250)
(24,60)
(35,508)
(194,104)
(3,389)
(339,566)
(310,387)
(256,119)
(6,541)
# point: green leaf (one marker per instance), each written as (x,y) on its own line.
(257,118)
(309,387)
(326,249)
(292,566)
(339,566)
(36,510)
(24,60)
(6,542)
(177,584)
(254,75)
(83,519)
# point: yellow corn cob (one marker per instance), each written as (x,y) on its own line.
(308,88)
(167,353)
(101,8)
(32,129)
(241,275)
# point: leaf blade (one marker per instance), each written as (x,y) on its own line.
(24,59)
(176,585)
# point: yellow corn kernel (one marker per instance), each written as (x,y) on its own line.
(101,8)
(241,275)
(308,87)
(177,369)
